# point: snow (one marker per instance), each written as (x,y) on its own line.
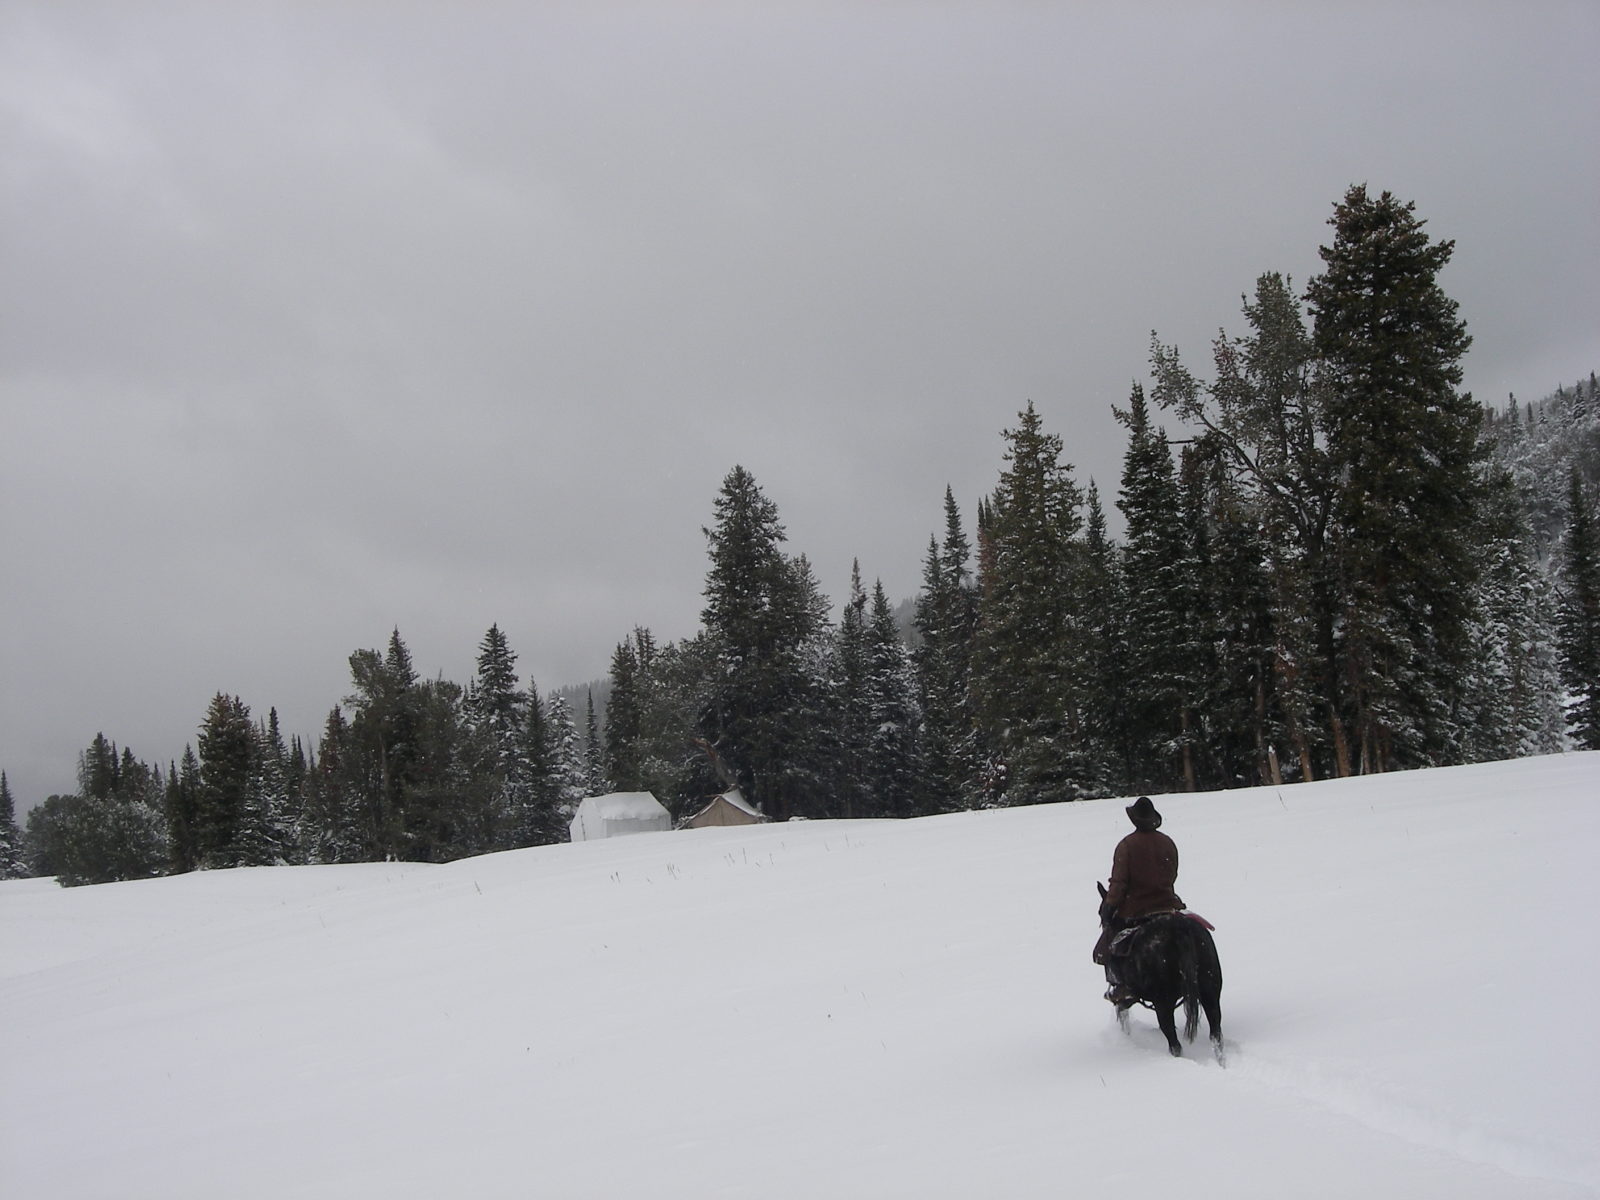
(847,1009)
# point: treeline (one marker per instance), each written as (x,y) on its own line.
(416,769)
(1344,565)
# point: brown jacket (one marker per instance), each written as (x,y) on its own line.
(1144,866)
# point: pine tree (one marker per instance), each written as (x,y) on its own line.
(445,811)
(496,714)
(540,821)
(762,617)
(262,837)
(297,771)
(1579,616)
(569,777)
(678,684)
(594,765)
(102,837)
(1161,608)
(1511,701)
(381,752)
(1262,419)
(893,760)
(184,790)
(1236,623)
(332,816)
(228,753)
(946,620)
(13,864)
(1105,683)
(624,716)
(1403,449)
(1028,646)
(98,769)
(851,666)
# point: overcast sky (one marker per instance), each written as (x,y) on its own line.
(319,319)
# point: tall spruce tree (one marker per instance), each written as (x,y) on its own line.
(539,821)
(496,716)
(1262,417)
(228,753)
(336,834)
(1106,681)
(624,717)
(594,758)
(894,765)
(1403,453)
(1579,615)
(445,809)
(13,863)
(1237,624)
(1161,609)
(183,810)
(679,683)
(946,618)
(568,772)
(762,618)
(261,838)
(851,668)
(1511,702)
(381,749)
(1028,642)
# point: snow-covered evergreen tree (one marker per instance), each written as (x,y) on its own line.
(764,622)
(1028,644)
(1105,684)
(850,669)
(228,750)
(332,808)
(1403,451)
(596,781)
(1511,702)
(1159,576)
(1579,614)
(496,713)
(893,759)
(115,832)
(13,863)
(568,769)
(946,617)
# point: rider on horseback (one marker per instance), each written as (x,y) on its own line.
(1144,868)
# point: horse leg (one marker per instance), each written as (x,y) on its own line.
(1212,1003)
(1169,1026)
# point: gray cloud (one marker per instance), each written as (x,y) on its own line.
(321,319)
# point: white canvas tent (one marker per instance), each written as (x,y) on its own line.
(618,813)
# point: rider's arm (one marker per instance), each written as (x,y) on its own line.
(1117,889)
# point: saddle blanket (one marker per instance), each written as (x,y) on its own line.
(1122,944)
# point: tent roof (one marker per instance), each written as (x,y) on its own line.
(735,798)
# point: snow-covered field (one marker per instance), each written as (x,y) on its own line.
(835,1009)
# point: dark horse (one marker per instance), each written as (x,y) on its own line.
(1172,961)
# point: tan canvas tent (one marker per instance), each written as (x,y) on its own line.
(618,813)
(730,808)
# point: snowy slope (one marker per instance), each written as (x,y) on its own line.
(834,1010)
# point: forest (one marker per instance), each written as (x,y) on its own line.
(1337,563)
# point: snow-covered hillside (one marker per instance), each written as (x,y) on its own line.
(835,1010)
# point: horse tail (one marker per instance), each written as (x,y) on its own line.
(1189,970)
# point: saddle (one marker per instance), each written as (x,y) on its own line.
(1122,944)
